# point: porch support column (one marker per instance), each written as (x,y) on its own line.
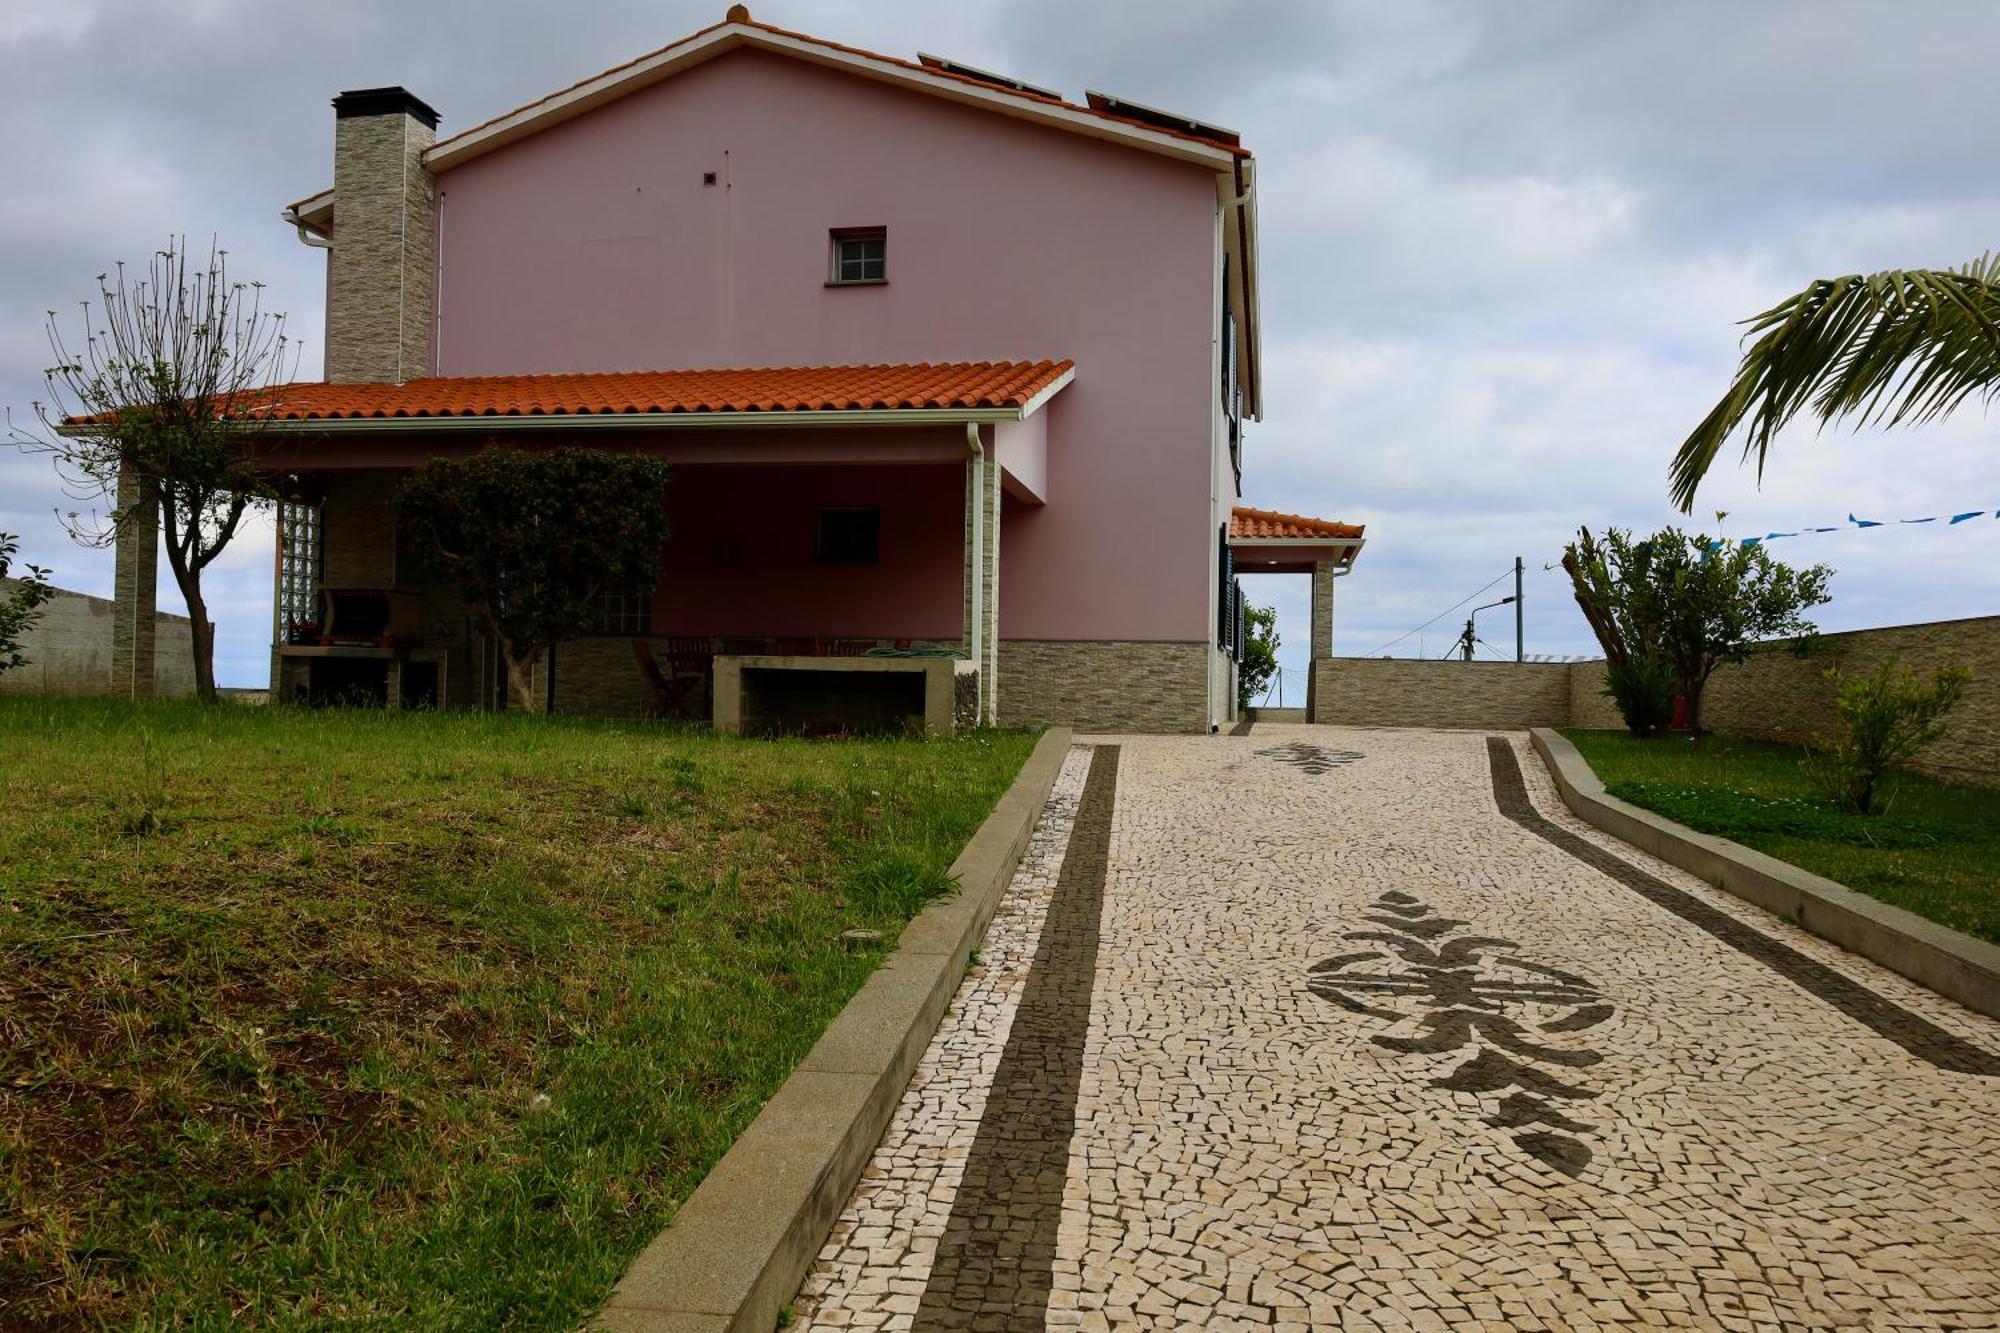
(134,591)
(987,532)
(1321,646)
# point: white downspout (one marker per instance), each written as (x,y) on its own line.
(978,571)
(316,241)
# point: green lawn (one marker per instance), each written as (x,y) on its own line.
(413,1019)
(1935,851)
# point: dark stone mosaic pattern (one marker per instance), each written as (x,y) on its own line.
(1915,1034)
(1467,995)
(995,1262)
(1310,758)
(1244,1153)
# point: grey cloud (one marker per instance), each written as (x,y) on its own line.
(1505,245)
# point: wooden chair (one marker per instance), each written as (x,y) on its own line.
(682,685)
(691,663)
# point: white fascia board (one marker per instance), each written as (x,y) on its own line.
(909,416)
(727,37)
(1040,400)
(314,214)
(1253,333)
(1259,543)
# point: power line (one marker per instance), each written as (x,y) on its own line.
(1506,574)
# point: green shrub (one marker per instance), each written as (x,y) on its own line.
(1643,687)
(1885,717)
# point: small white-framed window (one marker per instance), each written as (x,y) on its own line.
(860,255)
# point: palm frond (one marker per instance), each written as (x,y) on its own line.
(1900,346)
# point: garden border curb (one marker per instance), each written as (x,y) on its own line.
(1947,961)
(737,1250)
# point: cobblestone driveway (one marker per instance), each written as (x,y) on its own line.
(1331,1028)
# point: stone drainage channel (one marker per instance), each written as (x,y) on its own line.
(1324,1028)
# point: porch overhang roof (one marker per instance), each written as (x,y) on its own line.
(1265,541)
(895,395)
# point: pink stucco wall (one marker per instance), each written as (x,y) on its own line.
(722,575)
(595,246)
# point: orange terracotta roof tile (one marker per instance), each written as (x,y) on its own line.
(1251,524)
(965,384)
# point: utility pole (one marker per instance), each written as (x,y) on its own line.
(1520,643)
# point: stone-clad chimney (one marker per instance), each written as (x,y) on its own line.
(381,291)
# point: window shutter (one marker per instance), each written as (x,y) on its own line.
(1226,575)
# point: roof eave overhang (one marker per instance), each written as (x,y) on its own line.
(709,420)
(1298,549)
(624,421)
(1253,339)
(724,38)
(313,213)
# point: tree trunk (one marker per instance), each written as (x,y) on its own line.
(202,632)
(521,676)
(1691,687)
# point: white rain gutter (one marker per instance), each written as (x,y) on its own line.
(850,416)
(314,239)
(977,575)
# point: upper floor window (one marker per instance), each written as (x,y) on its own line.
(860,255)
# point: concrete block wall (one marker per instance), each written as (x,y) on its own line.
(70,651)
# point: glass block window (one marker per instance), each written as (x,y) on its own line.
(860,254)
(296,602)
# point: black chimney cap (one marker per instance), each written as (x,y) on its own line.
(383,102)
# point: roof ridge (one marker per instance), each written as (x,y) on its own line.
(793,34)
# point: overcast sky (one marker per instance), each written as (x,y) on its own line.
(1504,244)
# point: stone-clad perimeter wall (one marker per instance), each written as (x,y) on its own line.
(1777,695)
(1407,692)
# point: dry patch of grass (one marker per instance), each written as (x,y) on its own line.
(416,1019)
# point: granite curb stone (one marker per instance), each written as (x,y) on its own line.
(1949,962)
(738,1248)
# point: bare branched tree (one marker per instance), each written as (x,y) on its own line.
(169,392)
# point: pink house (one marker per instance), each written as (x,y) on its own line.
(948,370)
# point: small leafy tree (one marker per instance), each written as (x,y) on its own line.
(22,607)
(1644,687)
(534,540)
(164,391)
(1259,661)
(1885,716)
(1688,601)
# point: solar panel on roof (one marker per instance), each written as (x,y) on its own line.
(985,76)
(1166,120)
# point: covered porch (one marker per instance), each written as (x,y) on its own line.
(832,563)
(1265,541)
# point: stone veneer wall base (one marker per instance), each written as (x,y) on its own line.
(1107,685)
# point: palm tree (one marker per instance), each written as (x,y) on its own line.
(1901,345)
